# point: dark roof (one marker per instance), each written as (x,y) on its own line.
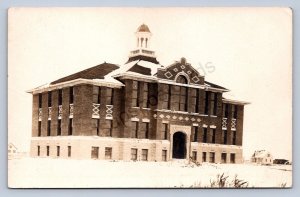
(96,72)
(141,70)
(145,58)
(143,28)
(215,85)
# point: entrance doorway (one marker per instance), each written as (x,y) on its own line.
(179,145)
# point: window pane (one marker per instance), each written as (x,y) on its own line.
(211,157)
(107,128)
(223,157)
(60,97)
(144,154)
(204,157)
(109,96)
(95,152)
(204,135)
(49,99)
(40,100)
(108,152)
(134,129)
(164,155)
(134,154)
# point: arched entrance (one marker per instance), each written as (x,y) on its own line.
(179,145)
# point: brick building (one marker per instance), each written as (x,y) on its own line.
(137,111)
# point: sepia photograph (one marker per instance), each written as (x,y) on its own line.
(194,97)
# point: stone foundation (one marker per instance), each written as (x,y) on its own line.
(81,148)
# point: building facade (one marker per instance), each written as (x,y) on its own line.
(137,111)
(262,157)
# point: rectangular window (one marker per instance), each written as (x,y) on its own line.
(183,98)
(145,129)
(40,128)
(69,151)
(71,95)
(224,133)
(49,128)
(164,131)
(167,97)
(232,158)
(96,94)
(194,155)
(195,100)
(49,99)
(203,156)
(96,123)
(145,95)
(175,95)
(204,137)
(108,152)
(57,151)
(206,102)
(134,154)
(59,127)
(70,128)
(211,157)
(135,93)
(225,110)
(38,150)
(213,140)
(164,155)
(144,154)
(234,137)
(60,97)
(213,103)
(48,151)
(95,152)
(194,133)
(109,96)
(134,129)
(108,128)
(234,111)
(40,100)
(223,157)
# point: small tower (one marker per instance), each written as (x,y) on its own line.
(142,50)
(143,36)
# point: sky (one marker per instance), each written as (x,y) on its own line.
(247,50)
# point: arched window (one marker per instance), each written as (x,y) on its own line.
(142,40)
(181,79)
(146,42)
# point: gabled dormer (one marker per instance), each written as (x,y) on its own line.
(179,70)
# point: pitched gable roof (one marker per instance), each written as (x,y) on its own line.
(96,72)
(214,85)
(142,57)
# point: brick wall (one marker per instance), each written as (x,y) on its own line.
(54,114)
(35,114)
(65,111)
(82,118)
(239,125)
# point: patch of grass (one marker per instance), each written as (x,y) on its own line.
(222,181)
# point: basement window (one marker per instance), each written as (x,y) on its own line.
(232,158)
(223,157)
(194,155)
(144,154)
(211,157)
(164,155)
(134,154)
(108,152)
(203,156)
